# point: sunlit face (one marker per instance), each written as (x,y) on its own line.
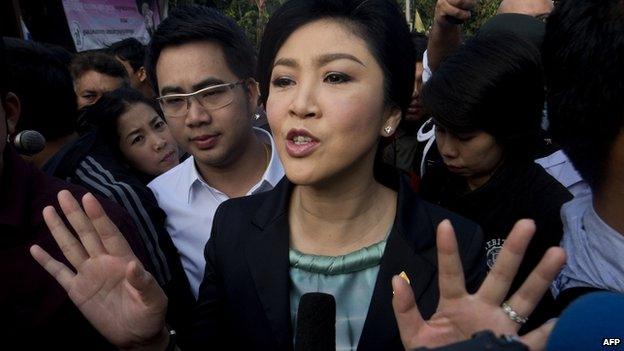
(415,110)
(91,85)
(326,103)
(214,137)
(473,156)
(145,140)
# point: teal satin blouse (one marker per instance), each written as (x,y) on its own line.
(350,279)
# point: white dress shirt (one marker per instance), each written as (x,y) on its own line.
(190,204)
(559,167)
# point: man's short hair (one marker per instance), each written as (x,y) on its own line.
(39,77)
(99,62)
(131,50)
(187,24)
(583,55)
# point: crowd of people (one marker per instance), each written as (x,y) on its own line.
(436,186)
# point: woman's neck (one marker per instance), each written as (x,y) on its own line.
(341,216)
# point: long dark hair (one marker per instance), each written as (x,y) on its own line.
(103,116)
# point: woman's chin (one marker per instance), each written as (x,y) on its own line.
(302,179)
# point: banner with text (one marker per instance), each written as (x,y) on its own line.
(95,24)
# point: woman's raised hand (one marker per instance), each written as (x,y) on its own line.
(109,285)
(459,314)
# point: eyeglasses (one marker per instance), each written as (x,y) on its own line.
(211,98)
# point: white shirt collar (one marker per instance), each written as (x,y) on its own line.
(271,176)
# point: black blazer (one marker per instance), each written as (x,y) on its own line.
(244,297)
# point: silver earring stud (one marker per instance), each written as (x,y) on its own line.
(256,116)
(388,130)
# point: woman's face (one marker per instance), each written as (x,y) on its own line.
(145,140)
(473,156)
(326,104)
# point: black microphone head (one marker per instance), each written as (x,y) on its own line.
(316,323)
(29,142)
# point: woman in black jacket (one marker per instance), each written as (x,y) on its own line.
(336,77)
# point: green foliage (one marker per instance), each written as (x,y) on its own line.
(484,10)
(246,14)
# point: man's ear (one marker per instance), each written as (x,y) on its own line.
(13,109)
(142,74)
(391,123)
(253,92)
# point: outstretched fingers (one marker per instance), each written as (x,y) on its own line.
(499,279)
(58,270)
(81,223)
(108,233)
(451,275)
(538,282)
(408,317)
(70,246)
(146,286)
(536,340)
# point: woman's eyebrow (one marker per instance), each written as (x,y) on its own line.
(288,62)
(327,58)
(321,60)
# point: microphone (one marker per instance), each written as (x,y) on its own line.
(316,323)
(593,322)
(29,142)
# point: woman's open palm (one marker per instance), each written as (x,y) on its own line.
(459,314)
(109,286)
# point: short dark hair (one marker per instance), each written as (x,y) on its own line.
(97,61)
(420,41)
(103,116)
(583,56)
(493,83)
(378,22)
(131,50)
(39,77)
(194,23)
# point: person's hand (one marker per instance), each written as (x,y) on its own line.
(459,314)
(453,12)
(110,287)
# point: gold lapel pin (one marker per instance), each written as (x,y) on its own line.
(403,276)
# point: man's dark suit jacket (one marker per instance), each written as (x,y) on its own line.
(244,297)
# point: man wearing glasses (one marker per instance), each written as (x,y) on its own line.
(202,67)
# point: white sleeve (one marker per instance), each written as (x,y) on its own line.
(426,69)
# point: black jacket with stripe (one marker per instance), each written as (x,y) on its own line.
(89,163)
